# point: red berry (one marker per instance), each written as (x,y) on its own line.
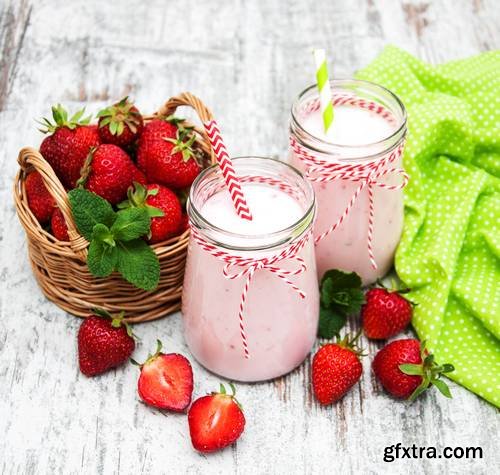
(163,206)
(104,342)
(139,177)
(120,124)
(215,421)
(184,223)
(335,369)
(40,201)
(408,381)
(58,226)
(385,313)
(166,381)
(68,146)
(166,156)
(108,172)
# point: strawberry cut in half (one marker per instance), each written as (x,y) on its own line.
(166,380)
(215,421)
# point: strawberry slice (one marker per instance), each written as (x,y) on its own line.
(166,380)
(215,421)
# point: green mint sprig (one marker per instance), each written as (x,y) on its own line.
(115,239)
(340,296)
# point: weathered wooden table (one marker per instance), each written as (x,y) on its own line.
(247,60)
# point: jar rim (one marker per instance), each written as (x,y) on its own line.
(324,146)
(267,240)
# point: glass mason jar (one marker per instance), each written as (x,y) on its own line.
(358,181)
(242,319)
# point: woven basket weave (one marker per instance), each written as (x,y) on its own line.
(60,267)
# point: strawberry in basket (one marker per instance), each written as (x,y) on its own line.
(166,155)
(69,143)
(40,200)
(120,124)
(108,172)
(163,207)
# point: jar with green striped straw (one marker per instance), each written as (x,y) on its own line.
(353,158)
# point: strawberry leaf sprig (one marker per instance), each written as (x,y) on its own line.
(115,239)
(341,296)
(429,371)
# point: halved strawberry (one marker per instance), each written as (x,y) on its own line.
(215,421)
(166,380)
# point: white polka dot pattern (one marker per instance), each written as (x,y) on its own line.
(450,249)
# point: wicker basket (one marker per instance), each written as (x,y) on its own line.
(60,267)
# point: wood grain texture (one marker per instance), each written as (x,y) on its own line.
(247,60)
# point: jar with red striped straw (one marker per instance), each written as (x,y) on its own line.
(357,173)
(250,298)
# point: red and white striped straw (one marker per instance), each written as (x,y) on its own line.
(228,172)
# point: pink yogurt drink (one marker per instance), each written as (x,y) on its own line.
(273,254)
(360,156)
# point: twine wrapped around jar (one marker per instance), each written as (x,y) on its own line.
(60,267)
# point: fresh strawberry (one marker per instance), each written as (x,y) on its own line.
(104,342)
(120,124)
(40,201)
(184,223)
(58,225)
(335,369)
(163,206)
(166,155)
(166,381)
(215,421)
(69,143)
(108,172)
(385,313)
(139,177)
(406,369)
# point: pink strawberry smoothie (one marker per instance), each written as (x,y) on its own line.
(280,326)
(357,136)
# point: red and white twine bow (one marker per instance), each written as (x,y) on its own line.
(228,172)
(237,267)
(366,174)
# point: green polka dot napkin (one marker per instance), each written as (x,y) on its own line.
(450,249)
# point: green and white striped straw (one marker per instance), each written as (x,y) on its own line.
(325,92)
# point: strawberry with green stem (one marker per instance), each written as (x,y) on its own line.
(163,207)
(108,172)
(120,124)
(336,368)
(406,369)
(104,342)
(386,312)
(69,142)
(166,153)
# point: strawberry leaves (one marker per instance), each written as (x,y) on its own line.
(341,295)
(61,119)
(115,239)
(430,372)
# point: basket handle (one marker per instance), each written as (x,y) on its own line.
(30,158)
(190,100)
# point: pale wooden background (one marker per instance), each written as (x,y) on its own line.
(247,60)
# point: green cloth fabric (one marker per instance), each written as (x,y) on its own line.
(450,249)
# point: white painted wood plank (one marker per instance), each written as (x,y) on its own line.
(247,60)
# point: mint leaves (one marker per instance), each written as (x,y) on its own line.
(115,239)
(340,296)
